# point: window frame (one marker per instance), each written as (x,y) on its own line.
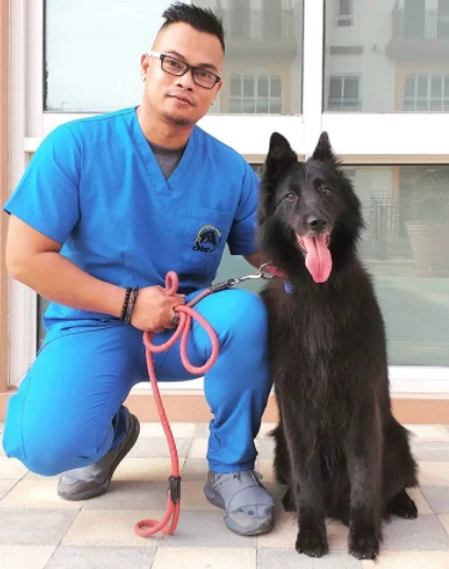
(358,138)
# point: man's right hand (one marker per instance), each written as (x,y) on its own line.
(153,309)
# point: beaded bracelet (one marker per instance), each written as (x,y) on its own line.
(125,304)
(135,292)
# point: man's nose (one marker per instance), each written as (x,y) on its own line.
(186,81)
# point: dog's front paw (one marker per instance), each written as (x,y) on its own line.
(312,542)
(364,545)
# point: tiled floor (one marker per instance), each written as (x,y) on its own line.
(38,530)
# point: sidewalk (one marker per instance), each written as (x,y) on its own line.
(40,531)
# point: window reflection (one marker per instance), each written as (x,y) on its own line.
(389,56)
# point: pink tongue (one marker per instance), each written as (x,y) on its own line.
(318,258)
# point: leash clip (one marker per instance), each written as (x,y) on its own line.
(261,274)
(174,485)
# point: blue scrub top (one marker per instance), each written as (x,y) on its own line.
(94,185)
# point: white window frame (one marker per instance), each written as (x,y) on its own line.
(359,138)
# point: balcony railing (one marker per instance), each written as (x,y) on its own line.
(406,25)
(266,25)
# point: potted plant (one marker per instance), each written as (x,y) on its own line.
(428,224)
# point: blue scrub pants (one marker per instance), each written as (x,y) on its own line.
(68,410)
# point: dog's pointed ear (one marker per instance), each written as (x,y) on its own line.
(280,156)
(323,150)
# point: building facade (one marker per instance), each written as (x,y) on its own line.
(374,75)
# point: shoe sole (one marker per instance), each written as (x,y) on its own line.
(215,499)
(100,489)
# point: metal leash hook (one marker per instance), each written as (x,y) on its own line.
(261,274)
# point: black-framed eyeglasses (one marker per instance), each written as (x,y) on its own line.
(174,66)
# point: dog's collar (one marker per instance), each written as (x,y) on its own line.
(275,272)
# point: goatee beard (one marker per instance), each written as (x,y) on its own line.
(177,121)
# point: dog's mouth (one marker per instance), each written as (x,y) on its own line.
(317,254)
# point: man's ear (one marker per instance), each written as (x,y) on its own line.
(279,158)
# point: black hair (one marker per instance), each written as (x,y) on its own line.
(202,19)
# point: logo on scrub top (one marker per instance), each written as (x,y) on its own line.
(207,239)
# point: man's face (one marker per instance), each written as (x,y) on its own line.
(179,100)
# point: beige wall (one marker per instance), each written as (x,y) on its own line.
(4,176)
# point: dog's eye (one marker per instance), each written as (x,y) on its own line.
(291,197)
(325,191)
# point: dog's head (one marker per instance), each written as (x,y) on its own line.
(310,205)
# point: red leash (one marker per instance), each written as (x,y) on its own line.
(147,528)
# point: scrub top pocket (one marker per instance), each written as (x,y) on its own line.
(204,238)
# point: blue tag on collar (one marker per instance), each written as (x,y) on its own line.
(288,287)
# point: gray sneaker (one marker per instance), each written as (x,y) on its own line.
(248,505)
(95,479)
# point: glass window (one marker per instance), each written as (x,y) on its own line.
(400,49)
(344,15)
(405,247)
(426,92)
(93,50)
(344,93)
(258,93)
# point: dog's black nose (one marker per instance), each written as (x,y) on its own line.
(316,223)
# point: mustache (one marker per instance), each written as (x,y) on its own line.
(182,96)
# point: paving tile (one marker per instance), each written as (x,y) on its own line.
(102,558)
(428,432)
(444,520)
(33,476)
(283,536)
(136,495)
(25,556)
(34,527)
(437,498)
(420,500)
(290,559)
(5,487)
(409,560)
(265,448)
(423,534)
(98,528)
(116,528)
(195,469)
(145,469)
(37,494)
(434,473)
(205,529)
(179,430)
(202,558)
(431,451)
(265,429)
(156,447)
(201,431)
(198,448)
(265,467)
(11,468)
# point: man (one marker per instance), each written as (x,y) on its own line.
(112,203)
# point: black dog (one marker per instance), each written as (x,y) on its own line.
(338,447)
